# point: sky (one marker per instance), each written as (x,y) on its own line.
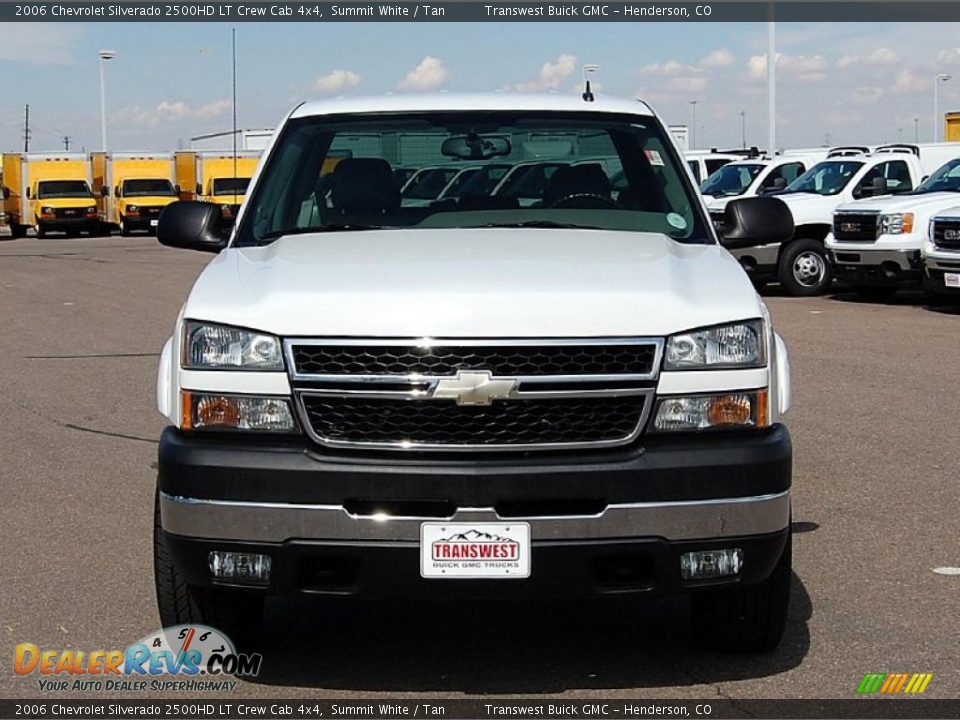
(843,83)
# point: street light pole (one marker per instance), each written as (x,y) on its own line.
(916,130)
(693,128)
(942,77)
(105,55)
(772,84)
(743,127)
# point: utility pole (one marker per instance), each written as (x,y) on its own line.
(26,128)
(743,128)
(66,143)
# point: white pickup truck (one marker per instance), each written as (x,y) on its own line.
(876,243)
(941,254)
(579,397)
(802,265)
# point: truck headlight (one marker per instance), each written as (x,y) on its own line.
(133,210)
(743,409)
(896,224)
(739,345)
(215,411)
(46,211)
(218,347)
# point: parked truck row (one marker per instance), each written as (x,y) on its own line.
(861,214)
(76,193)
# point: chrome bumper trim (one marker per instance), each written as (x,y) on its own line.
(277,522)
(873,257)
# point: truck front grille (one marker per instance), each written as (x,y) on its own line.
(855,227)
(150,212)
(446,425)
(443,360)
(946,234)
(473,394)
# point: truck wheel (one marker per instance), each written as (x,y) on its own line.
(39,231)
(749,618)
(236,613)
(874,293)
(805,269)
(124,228)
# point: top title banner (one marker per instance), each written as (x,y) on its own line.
(471,11)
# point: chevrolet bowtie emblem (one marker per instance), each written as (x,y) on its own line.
(474,387)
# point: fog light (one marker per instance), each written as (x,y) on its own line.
(706,564)
(251,568)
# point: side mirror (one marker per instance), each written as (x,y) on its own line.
(116,191)
(779,183)
(6,193)
(28,193)
(877,186)
(192,225)
(199,190)
(176,189)
(104,191)
(750,222)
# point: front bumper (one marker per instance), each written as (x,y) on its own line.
(877,267)
(77,224)
(600,522)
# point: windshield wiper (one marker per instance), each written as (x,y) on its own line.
(541,224)
(344,227)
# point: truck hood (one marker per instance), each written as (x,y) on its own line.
(810,207)
(474,283)
(926,203)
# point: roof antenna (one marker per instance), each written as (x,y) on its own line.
(588,95)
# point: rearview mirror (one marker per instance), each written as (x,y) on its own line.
(192,225)
(475,147)
(750,222)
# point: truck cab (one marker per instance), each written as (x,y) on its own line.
(583,397)
(802,265)
(940,255)
(876,243)
(48,192)
(217,177)
(139,201)
(132,188)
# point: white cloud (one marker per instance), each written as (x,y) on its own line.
(805,68)
(867,95)
(880,56)
(948,57)
(552,74)
(670,68)
(687,84)
(38,44)
(429,74)
(718,58)
(336,80)
(908,81)
(166,112)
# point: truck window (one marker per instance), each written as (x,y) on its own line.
(49,189)
(730,180)
(230,186)
(360,193)
(945,178)
(788,172)
(715,164)
(147,188)
(829,177)
(896,172)
(695,169)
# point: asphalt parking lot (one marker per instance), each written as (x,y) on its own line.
(875,428)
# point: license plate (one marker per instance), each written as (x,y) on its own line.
(153,223)
(951,279)
(471,551)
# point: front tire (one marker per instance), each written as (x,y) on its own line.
(125,230)
(39,231)
(238,614)
(805,269)
(748,618)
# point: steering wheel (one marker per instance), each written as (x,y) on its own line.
(584,200)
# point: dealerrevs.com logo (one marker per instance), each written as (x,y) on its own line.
(180,658)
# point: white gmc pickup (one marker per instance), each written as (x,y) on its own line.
(582,395)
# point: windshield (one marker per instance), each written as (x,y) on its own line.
(63,189)
(482,181)
(428,184)
(144,188)
(300,193)
(230,186)
(945,179)
(730,180)
(825,178)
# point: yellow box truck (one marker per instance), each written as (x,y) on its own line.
(49,192)
(212,176)
(132,188)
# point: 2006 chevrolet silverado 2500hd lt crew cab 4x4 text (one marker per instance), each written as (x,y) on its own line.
(578,396)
